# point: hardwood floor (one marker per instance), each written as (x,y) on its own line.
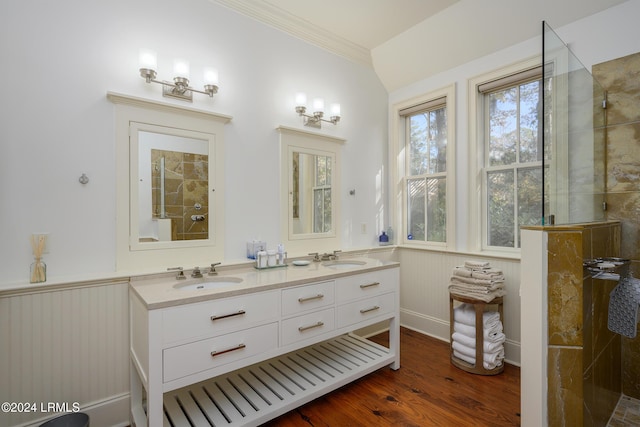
(426,391)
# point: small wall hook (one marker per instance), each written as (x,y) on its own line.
(84,179)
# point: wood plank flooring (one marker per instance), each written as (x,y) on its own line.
(426,391)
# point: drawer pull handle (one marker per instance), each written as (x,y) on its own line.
(366,310)
(218,353)
(305,299)
(224,316)
(368,285)
(316,325)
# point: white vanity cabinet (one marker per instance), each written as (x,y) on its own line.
(245,357)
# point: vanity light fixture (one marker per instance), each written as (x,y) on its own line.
(316,118)
(180,88)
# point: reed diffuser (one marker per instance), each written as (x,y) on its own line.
(38,267)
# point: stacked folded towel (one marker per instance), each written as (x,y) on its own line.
(476,279)
(463,339)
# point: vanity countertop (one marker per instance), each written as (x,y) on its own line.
(159,292)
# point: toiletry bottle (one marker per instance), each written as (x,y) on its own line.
(280,254)
(271,257)
(261,259)
(390,235)
(384,239)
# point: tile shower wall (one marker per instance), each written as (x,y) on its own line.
(621,79)
(583,356)
(186,185)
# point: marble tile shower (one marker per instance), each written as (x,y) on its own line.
(621,79)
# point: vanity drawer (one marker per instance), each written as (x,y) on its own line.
(365,309)
(206,354)
(367,284)
(214,317)
(303,298)
(307,326)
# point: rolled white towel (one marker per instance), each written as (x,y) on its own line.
(493,362)
(489,345)
(465,313)
(490,360)
(470,331)
(469,351)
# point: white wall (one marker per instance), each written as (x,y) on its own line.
(61,58)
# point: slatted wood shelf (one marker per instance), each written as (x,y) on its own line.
(255,394)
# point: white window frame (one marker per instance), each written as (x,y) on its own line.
(398,167)
(477,155)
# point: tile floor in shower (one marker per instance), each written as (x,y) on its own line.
(627,413)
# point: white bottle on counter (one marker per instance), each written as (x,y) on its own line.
(280,254)
(271,257)
(261,259)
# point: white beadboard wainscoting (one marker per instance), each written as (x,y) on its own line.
(424,294)
(66,345)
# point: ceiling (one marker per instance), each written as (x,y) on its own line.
(367,23)
(383,33)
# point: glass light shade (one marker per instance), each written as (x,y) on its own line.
(335,110)
(318,105)
(148,59)
(180,68)
(211,76)
(301,99)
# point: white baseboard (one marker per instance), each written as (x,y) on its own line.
(111,412)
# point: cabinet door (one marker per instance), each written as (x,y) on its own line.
(215,317)
(366,284)
(199,356)
(308,297)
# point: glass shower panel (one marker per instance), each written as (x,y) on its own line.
(573,120)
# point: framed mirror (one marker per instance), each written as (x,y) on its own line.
(310,193)
(170,185)
(172,181)
(310,190)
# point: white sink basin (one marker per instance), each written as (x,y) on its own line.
(212,283)
(339,265)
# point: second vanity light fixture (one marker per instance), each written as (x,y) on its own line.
(316,118)
(180,88)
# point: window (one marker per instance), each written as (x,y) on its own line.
(512,163)
(424,149)
(427,177)
(322,195)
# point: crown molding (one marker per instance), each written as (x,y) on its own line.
(304,30)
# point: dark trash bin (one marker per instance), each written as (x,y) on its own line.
(77,419)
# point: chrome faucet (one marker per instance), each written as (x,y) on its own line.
(335,254)
(316,257)
(212,271)
(180,275)
(196,273)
